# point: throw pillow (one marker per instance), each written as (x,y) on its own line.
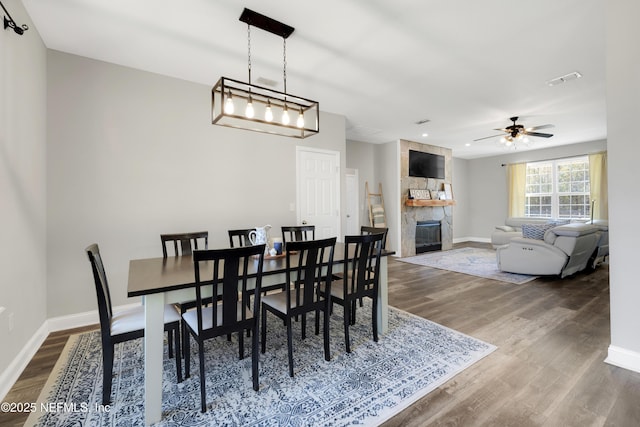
(535,231)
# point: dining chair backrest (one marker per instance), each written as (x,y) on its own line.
(183,243)
(373,230)
(103,295)
(309,265)
(229,281)
(240,237)
(362,263)
(297,233)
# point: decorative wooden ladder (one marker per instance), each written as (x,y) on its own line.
(375,202)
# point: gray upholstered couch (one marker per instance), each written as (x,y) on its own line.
(512,228)
(564,250)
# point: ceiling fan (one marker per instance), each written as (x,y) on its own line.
(517,132)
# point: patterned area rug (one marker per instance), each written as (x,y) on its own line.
(474,261)
(366,387)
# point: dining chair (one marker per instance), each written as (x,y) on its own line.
(226,272)
(183,243)
(373,230)
(297,233)
(240,237)
(364,230)
(305,279)
(361,279)
(124,325)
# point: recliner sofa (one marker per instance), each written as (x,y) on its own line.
(512,227)
(564,250)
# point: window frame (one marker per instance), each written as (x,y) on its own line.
(550,204)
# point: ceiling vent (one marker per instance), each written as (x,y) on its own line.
(566,78)
(423,121)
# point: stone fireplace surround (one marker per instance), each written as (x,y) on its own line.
(410,215)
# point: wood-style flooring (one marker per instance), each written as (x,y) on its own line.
(552,337)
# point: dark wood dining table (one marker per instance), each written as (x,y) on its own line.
(160,281)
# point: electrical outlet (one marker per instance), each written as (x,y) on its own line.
(10,322)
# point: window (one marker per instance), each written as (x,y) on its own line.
(558,189)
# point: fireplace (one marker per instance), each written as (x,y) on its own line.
(428,236)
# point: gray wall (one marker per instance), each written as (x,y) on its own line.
(133,154)
(23,291)
(623,110)
(361,156)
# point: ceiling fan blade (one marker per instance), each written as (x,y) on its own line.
(539,134)
(540,127)
(487,137)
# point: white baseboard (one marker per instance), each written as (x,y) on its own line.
(15,368)
(623,358)
(472,239)
(20,362)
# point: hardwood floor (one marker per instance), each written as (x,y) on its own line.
(552,337)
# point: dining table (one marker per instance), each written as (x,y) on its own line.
(161,281)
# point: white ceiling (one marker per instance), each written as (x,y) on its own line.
(465,65)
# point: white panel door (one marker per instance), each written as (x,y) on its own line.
(318,190)
(352,203)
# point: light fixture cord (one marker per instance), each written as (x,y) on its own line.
(284,62)
(249,51)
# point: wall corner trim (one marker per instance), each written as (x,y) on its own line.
(623,358)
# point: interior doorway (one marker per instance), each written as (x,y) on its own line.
(318,190)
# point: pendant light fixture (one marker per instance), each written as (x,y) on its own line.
(247,106)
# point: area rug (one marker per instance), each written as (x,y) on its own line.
(479,262)
(366,387)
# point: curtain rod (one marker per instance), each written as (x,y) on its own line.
(550,160)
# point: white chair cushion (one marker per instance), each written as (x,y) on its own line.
(278,301)
(133,319)
(191,316)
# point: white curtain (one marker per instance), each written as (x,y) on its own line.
(599,185)
(517,182)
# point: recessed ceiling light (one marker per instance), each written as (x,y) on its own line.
(468,144)
(424,135)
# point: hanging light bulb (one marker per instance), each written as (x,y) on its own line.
(285,116)
(503,140)
(229,108)
(300,121)
(268,114)
(509,142)
(249,112)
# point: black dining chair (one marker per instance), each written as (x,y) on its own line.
(227,276)
(124,325)
(297,233)
(305,280)
(240,237)
(364,230)
(374,230)
(183,243)
(361,279)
